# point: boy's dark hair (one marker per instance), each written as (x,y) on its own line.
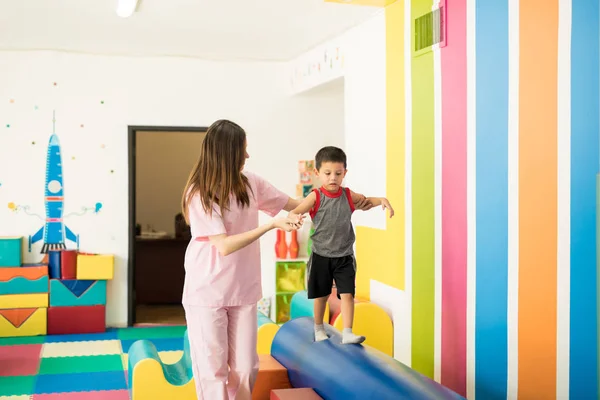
(330,154)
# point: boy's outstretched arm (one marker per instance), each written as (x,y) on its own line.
(383,202)
(305,205)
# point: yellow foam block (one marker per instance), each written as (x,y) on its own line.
(266,333)
(149,383)
(31,300)
(32,324)
(371,3)
(371,321)
(95,267)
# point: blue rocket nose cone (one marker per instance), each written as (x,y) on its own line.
(54,140)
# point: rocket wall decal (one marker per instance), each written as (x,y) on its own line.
(54,232)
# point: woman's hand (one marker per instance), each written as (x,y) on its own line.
(290,223)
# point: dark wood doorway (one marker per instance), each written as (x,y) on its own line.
(157,245)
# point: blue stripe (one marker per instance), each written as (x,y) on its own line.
(583,361)
(491,286)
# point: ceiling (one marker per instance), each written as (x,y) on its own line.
(210,29)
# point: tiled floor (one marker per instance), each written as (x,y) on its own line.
(78,367)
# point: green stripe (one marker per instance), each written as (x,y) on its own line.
(160,332)
(423,234)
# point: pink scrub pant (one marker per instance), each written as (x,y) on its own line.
(223,350)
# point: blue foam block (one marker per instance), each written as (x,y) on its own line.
(263,319)
(54,264)
(301,305)
(10,251)
(22,285)
(338,371)
(110,334)
(64,293)
(170,344)
(84,382)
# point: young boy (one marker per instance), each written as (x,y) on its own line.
(332,257)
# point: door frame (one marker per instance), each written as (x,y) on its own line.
(132,131)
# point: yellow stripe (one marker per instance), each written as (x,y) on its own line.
(380,253)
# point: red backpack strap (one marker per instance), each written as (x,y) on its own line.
(315,208)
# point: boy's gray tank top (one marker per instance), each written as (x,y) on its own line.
(331,216)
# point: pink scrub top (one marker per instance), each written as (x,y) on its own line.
(213,280)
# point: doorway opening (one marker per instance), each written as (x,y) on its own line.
(160,160)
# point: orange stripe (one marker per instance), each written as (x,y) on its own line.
(537,198)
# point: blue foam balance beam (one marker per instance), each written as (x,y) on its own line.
(342,371)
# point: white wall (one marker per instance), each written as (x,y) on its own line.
(322,112)
(139,91)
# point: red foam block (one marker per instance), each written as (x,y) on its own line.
(68,264)
(294,394)
(79,319)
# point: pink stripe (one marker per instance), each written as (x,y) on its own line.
(454,200)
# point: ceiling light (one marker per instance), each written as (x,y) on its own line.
(126,8)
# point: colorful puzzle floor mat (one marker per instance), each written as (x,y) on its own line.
(78,367)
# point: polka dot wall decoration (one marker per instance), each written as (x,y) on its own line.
(55,84)
(35,107)
(102,146)
(81,126)
(12,101)
(8,125)
(32,142)
(101,101)
(112,171)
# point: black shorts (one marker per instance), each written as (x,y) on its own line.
(323,271)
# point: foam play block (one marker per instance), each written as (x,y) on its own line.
(95,266)
(340,371)
(302,306)
(295,394)
(30,300)
(54,257)
(271,375)
(21,285)
(23,322)
(19,280)
(374,323)
(150,378)
(68,264)
(335,305)
(266,332)
(81,319)
(77,293)
(10,251)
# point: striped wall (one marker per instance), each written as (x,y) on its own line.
(492,156)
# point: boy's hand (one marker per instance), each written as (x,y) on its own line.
(296,219)
(386,204)
(363,203)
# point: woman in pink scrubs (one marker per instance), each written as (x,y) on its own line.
(222,262)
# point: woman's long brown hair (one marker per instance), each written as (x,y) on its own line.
(218,173)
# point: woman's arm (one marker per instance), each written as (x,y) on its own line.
(292,204)
(227,245)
